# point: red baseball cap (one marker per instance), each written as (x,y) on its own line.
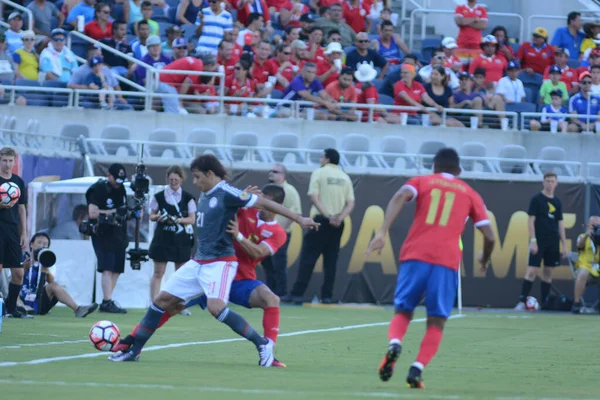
(585,74)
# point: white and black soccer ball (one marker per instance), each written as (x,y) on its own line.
(9,192)
(104,335)
(531,304)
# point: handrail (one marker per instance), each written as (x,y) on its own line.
(24,9)
(532,115)
(556,17)
(501,114)
(403,15)
(425,11)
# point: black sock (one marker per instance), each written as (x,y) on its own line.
(545,291)
(148,325)
(239,325)
(13,295)
(525,289)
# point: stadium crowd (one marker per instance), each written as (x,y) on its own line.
(329,52)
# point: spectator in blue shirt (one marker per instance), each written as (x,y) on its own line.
(550,113)
(570,36)
(85,8)
(139,45)
(154,58)
(307,87)
(57,60)
(584,103)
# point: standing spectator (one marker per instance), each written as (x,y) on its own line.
(14,33)
(211,25)
(343,91)
(262,69)
(504,49)
(180,49)
(275,266)
(587,264)
(510,87)
(132,11)
(69,230)
(27,58)
(225,57)
(355,14)
(173,32)
(58,61)
(155,58)
(439,60)
(334,20)
(568,75)
(439,91)
(86,9)
(284,67)
(174,84)
(471,19)
(389,44)
(547,114)
(493,65)
(570,37)
(101,27)
(188,11)
(552,85)
(138,46)
(546,234)
(306,87)
(362,53)
(537,55)
(449,47)
(332,195)
(584,103)
(43,11)
(119,65)
(329,70)
(248,7)
(147,12)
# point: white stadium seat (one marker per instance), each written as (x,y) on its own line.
(317,144)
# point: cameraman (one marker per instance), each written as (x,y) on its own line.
(39,290)
(174,211)
(587,262)
(107,206)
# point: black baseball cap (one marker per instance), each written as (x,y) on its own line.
(118,172)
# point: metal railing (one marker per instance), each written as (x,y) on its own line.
(36,140)
(23,9)
(588,118)
(405,16)
(425,11)
(562,18)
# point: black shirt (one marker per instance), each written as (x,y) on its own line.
(354,58)
(547,212)
(443,99)
(11,215)
(113,60)
(106,197)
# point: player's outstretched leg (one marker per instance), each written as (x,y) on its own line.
(396,332)
(262,297)
(126,342)
(429,347)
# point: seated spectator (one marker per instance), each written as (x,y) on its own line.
(298,57)
(292,16)
(471,19)
(211,25)
(439,91)
(306,26)
(362,53)
(180,49)
(570,37)
(248,7)
(262,69)
(173,32)
(97,81)
(586,55)
(43,11)
(14,33)
(587,264)
(314,51)
(493,65)
(240,84)
(206,87)
(7,65)
(119,65)
(510,87)
(438,60)
(343,91)
(491,100)
(555,107)
(69,230)
(504,49)
(409,93)
(86,9)
(449,47)
(155,58)
(584,103)
(139,44)
(329,70)
(355,13)
(57,61)
(536,55)
(291,34)
(465,97)
(553,85)
(26,58)
(147,12)
(367,92)
(247,36)
(188,10)
(283,66)
(182,84)
(225,57)
(591,31)
(101,27)
(569,75)
(394,75)
(390,45)
(333,20)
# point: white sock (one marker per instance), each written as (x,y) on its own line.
(418,365)
(395,341)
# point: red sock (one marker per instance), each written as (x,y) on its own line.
(398,327)
(134,331)
(429,345)
(271,322)
(163,320)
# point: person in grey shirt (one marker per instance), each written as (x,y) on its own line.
(69,230)
(43,11)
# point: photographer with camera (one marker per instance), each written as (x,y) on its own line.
(39,290)
(107,209)
(174,211)
(587,264)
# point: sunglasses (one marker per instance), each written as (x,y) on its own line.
(274,172)
(105,11)
(181,47)
(29,40)
(363,41)
(336,39)
(287,53)
(586,82)
(439,57)
(60,39)
(237,68)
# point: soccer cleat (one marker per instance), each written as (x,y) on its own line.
(111,307)
(414,378)
(576,308)
(84,311)
(124,344)
(185,312)
(278,364)
(386,368)
(520,306)
(265,354)
(18,314)
(124,357)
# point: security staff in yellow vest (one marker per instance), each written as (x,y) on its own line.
(587,261)
(276,265)
(332,195)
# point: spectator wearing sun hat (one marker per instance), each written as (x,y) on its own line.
(365,74)
(553,84)
(329,69)
(493,64)
(57,61)
(449,47)
(536,55)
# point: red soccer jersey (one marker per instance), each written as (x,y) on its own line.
(261,73)
(415,92)
(569,76)
(323,67)
(356,16)
(494,67)
(232,86)
(536,59)
(363,98)
(469,37)
(183,64)
(228,64)
(288,73)
(443,204)
(257,231)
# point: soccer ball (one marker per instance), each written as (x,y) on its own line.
(104,335)
(9,192)
(531,304)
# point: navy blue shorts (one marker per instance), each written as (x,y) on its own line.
(239,294)
(417,278)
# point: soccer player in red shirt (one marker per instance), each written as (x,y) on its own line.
(494,65)
(430,256)
(471,19)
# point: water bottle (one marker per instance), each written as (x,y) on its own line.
(1,311)
(244,109)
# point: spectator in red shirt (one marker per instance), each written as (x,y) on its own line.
(239,84)
(297,10)
(247,7)
(569,75)
(205,88)
(329,69)
(225,57)
(493,65)
(355,14)
(262,69)
(100,28)
(536,55)
(281,8)
(283,66)
(367,92)
(170,83)
(315,51)
(504,50)
(449,47)
(471,19)
(343,91)
(291,33)
(298,54)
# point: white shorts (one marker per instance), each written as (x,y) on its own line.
(194,279)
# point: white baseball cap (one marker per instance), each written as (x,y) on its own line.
(449,43)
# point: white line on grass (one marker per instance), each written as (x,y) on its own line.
(176,345)
(18,346)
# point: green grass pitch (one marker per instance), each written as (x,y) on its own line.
(484,355)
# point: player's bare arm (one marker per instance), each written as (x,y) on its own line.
(256,251)
(489,239)
(269,205)
(563,238)
(533,247)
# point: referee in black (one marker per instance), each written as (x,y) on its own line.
(546,233)
(332,195)
(13,232)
